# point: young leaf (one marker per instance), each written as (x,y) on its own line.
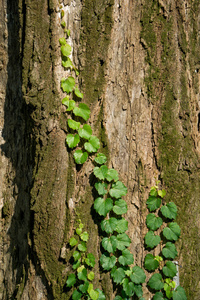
(78,230)
(84,236)
(107,262)
(82,275)
(153,203)
(78,93)
(69,103)
(94,294)
(82,247)
(117,274)
(118,189)
(67,63)
(126,258)
(63,24)
(101,172)
(153,222)
(138,276)
(101,188)
(76,255)
(76,264)
(169,270)
(110,244)
(100,159)
(153,191)
(112,175)
(122,225)
(120,207)
(66,50)
(71,280)
(76,295)
(109,225)
(85,132)
(162,193)
(128,287)
(169,251)
(179,294)
(92,145)
(150,263)
(62,41)
(91,276)
(67,85)
(80,156)
(82,111)
(90,260)
(159,296)
(168,290)
(123,241)
(155,282)
(169,210)
(103,206)
(72,140)
(65,101)
(73,124)
(172,232)
(84,287)
(73,242)
(152,240)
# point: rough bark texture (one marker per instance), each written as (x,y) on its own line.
(139,67)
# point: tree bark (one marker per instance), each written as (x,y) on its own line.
(139,67)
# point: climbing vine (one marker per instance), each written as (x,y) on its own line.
(116,258)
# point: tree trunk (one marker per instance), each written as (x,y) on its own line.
(139,67)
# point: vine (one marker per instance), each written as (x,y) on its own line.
(116,258)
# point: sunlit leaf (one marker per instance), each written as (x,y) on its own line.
(78,93)
(90,260)
(103,206)
(153,203)
(101,188)
(107,262)
(73,242)
(67,85)
(100,172)
(112,174)
(109,225)
(72,140)
(85,132)
(110,244)
(122,225)
(118,190)
(100,159)
(67,63)
(120,207)
(80,156)
(92,145)
(73,124)
(82,111)
(62,41)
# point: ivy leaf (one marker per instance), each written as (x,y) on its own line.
(62,41)
(107,262)
(66,50)
(82,274)
(128,287)
(101,295)
(153,222)
(153,203)
(73,124)
(76,255)
(84,236)
(91,276)
(76,265)
(94,294)
(85,132)
(153,191)
(118,189)
(67,85)
(82,247)
(172,232)
(150,263)
(80,156)
(84,287)
(78,93)
(168,290)
(162,193)
(112,174)
(169,210)
(118,298)
(70,104)
(73,242)
(169,270)
(110,244)
(101,172)
(120,207)
(169,251)
(92,145)
(82,111)
(101,188)
(152,240)
(65,101)
(109,225)
(90,260)
(76,295)
(122,225)
(123,241)
(72,140)
(100,159)
(117,274)
(103,206)
(138,290)
(71,280)
(67,63)
(126,258)
(138,276)
(179,294)
(159,296)
(155,282)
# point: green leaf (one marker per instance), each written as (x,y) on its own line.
(162,193)
(101,172)
(94,294)
(100,159)
(150,263)
(73,242)
(91,276)
(82,275)
(76,255)
(73,124)
(112,174)
(69,103)
(63,24)
(82,247)
(153,191)
(123,241)
(109,225)
(67,63)
(169,251)
(76,265)
(67,85)
(138,276)
(169,270)
(138,291)
(72,140)
(92,145)
(155,282)
(103,206)
(117,274)
(122,225)
(82,111)
(101,295)
(152,240)
(128,287)
(172,232)
(126,258)
(62,41)
(107,262)
(153,222)
(84,236)
(78,230)
(120,207)
(90,260)
(168,290)
(65,101)
(153,203)
(110,244)
(101,188)
(118,190)
(159,296)
(84,287)
(80,156)
(67,31)
(71,280)
(179,294)
(169,210)
(85,132)
(118,298)
(78,93)
(76,295)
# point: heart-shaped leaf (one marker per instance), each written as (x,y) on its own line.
(92,145)
(69,103)
(80,156)
(82,111)
(155,282)
(84,236)
(101,172)
(84,287)
(138,276)
(112,175)
(67,63)
(179,294)
(62,41)
(76,295)
(150,263)
(153,203)
(101,188)
(85,132)
(107,262)
(73,124)
(118,190)
(152,240)
(66,50)
(169,210)
(73,242)
(72,140)
(67,85)
(117,274)
(169,270)
(172,232)
(100,159)
(120,207)
(126,258)
(78,93)
(76,255)
(159,296)
(82,247)
(109,225)
(90,260)
(110,244)
(71,280)
(122,225)
(123,241)
(128,287)
(153,222)
(169,251)
(103,206)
